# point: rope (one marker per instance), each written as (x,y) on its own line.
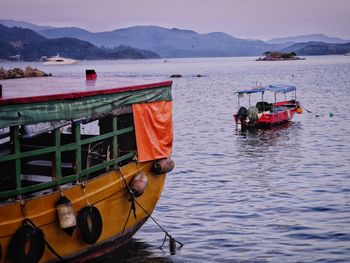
(27,245)
(166,233)
(27,220)
(47,244)
(127,219)
(55,253)
(132,200)
(131,193)
(308,111)
(172,241)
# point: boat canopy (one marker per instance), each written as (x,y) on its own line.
(73,104)
(273,88)
(280,88)
(248,91)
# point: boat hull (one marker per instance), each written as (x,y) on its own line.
(106,192)
(54,63)
(284,112)
(270,119)
(107,246)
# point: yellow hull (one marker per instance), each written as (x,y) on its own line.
(107,192)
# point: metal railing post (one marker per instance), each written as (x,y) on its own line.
(14,137)
(77,139)
(115,140)
(57,171)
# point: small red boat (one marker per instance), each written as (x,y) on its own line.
(264,114)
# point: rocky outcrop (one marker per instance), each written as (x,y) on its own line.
(17,73)
(277,56)
(176,76)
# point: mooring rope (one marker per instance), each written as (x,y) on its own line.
(132,200)
(47,244)
(155,221)
(308,111)
(126,221)
(172,241)
(131,193)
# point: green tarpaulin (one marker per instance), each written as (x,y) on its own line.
(86,107)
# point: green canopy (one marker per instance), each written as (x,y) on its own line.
(84,107)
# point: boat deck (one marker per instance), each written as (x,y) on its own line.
(27,90)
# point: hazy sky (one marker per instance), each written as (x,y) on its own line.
(262,19)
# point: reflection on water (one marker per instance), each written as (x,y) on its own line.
(134,251)
(270,135)
(262,146)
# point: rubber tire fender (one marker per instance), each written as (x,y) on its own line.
(17,247)
(90,235)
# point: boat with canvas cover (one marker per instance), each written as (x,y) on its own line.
(82,164)
(264,114)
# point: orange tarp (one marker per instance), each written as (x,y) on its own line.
(154,130)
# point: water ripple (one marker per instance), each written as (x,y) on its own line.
(278,195)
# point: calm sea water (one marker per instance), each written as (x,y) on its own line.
(277,195)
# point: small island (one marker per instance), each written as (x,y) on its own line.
(277,56)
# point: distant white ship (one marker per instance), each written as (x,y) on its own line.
(347,54)
(57,60)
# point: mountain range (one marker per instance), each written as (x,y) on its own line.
(169,43)
(31,46)
(308,38)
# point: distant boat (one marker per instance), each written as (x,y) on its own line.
(347,54)
(57,60)
(264,114)
(16,57)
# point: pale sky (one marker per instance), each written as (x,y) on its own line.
(259,19)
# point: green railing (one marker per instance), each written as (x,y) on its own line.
(57,150)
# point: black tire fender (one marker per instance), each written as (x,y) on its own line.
(89,224)
(19,244)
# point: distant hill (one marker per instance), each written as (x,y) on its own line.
(32,46)
(317,49)
(172,43)
(128,49)
(297,46)
(74,32)
(307,38)
(186,43)
(7,50)
(13,23)
(19,37)
(167,42)
(66,47)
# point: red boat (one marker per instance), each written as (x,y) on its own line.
(264,114)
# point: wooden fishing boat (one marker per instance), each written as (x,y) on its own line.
(82,164)
(264,114)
